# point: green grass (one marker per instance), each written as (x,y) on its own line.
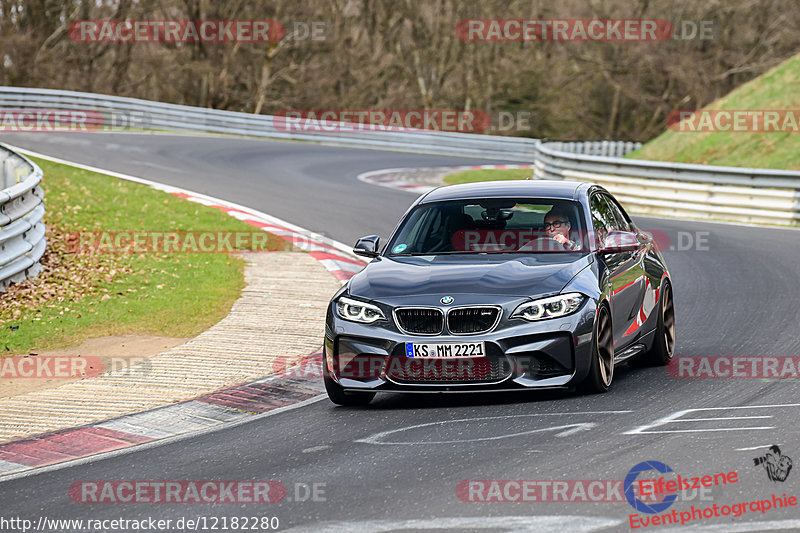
(79,296)
(777,89)
(472,176)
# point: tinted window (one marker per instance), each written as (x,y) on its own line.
(603,218)
(491,225)
(621,222)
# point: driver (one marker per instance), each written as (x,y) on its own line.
(557,227)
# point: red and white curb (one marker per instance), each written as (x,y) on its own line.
(398,178)
(334,256)
(221,409)
(224,408)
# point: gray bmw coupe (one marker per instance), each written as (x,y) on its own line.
(505,285)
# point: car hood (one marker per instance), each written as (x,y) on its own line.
(522,275)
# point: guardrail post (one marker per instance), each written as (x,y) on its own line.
(3,158)
(9,172)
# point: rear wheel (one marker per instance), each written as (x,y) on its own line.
(338,396)
(664,341)
(601,369)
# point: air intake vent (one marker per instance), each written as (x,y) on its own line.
(420,320)
(435,371)
(470,320)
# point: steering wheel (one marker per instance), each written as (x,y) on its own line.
(542,243)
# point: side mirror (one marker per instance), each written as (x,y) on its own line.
(620,241)
(367,246)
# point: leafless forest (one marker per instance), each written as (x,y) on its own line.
(405,54)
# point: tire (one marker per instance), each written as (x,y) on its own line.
(601,369)
(664,342)
(338,396)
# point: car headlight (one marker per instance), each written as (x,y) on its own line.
(356,311)
(552,307)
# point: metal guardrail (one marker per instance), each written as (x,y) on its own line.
(759,196)
(650,187)
(116,111)
(22,230)
(600,148)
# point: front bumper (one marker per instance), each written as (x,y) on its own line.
(519,355)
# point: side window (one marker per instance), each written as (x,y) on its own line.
(603,220)
(621,223)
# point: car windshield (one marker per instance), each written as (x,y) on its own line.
(494,225)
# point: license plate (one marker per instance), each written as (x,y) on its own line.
(450,349)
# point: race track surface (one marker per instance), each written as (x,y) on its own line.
(396,464)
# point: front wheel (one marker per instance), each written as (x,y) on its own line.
(601,369)
(338,396)
(664,341)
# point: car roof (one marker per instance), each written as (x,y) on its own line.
(557,189)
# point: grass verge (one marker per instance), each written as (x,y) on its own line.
(80,295)
(472,176)
(774,90)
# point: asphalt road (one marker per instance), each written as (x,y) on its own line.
(396,464)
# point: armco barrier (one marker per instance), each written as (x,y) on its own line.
(110,111)
(759,196)
(22,231)
(658,188)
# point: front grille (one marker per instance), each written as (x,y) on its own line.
(469,320)
(450,370)
(420,320)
